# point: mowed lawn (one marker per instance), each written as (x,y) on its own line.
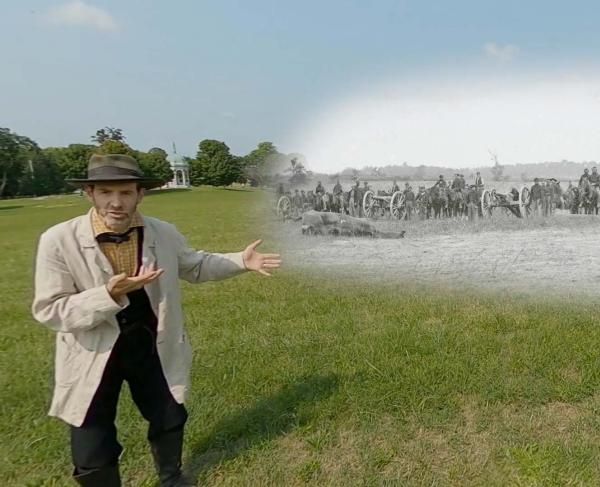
(306,379)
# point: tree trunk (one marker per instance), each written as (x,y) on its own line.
(4,180)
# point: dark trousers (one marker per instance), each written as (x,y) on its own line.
(133,359)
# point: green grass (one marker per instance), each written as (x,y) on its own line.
(304,380)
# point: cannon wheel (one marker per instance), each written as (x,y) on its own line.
(368,202)
(486,204)
(525,202)
(284,206)
(397,208)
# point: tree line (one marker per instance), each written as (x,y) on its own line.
(26,169)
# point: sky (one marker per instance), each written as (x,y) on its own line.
(345,83)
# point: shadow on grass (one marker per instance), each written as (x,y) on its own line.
(12,207)
(272,416)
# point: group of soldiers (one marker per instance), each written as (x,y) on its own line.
(453,198)
(545,196)
(416,203)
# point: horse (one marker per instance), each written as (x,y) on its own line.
(422,205)
(438,200)
(457,203)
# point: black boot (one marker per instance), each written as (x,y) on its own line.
(99,477)
(166,450)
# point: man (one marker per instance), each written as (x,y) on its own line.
(310,199)
(441,182)
(547,198)
(478,181)
(319,190)
(409,201)
(297,202)
(395,186)
(456,183)
(303,199)
(472,202)
(594,178)
(585,175)
(337,189)
(422,202)
(107,283)
(537,196)
(358,196)
(280,191)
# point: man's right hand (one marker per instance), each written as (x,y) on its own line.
(119,285)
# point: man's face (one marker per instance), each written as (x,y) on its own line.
(115,203)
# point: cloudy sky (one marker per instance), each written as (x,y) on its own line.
(347,83)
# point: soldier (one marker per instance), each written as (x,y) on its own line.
(409,201)
(478,181)
(365,187)
(463,183)
(357,191)
(594,178)
(303,199)
(297,201)
(310,199)
(585,175)
(472,202)
(441,182)
(338,197)
(421,200)
(395,186)
(280,191)
(547,198)
(319,190)
(456,184)
(536,196)
(337,189)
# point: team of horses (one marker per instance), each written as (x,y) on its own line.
(582,199)
(435,202)
(445,202)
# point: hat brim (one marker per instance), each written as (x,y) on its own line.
(146,183)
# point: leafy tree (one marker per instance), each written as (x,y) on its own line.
(158,150)
(108,133)
(72,161)
(154,164)
(115,147)
(298,171)
(41,176)
(215,165)
(259,163)
(15,151)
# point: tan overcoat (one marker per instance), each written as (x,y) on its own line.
(71,273)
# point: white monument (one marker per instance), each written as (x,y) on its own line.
(180,168)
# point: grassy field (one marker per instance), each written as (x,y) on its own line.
(305,380)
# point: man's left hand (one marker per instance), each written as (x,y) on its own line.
(255,261)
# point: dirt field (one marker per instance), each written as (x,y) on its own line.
(553,256)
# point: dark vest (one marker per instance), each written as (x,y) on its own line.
(139,312)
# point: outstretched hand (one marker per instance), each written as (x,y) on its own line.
(119,285)
(255,261)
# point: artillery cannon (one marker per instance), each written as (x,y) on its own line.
(515,201)
(378,204)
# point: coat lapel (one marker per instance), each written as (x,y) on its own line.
(149,257)
(91,250)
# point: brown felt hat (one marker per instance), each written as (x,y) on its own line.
(114,168)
